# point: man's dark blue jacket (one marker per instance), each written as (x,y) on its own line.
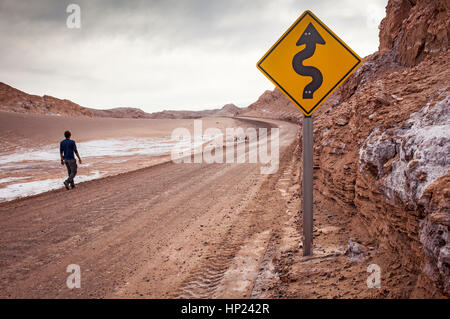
(68,148)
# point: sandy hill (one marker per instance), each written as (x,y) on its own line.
(382,142)
(168,114)
(228,110)
(121,112)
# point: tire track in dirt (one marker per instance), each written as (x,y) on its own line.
(235,269)
(289,187)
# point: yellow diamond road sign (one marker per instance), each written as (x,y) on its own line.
(308,62)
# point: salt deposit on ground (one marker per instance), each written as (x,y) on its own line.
(100,158)
(32,188)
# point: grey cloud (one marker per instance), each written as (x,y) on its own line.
(164,51)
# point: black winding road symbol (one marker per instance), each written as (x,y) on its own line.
(310,37)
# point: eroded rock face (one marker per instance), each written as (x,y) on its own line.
(407,160)
(414,28)
(273,104)
(435,238)
(355,251)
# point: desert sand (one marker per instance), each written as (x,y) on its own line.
(29,144)
(148,231)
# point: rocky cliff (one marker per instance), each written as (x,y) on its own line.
(414,29)
(382,144)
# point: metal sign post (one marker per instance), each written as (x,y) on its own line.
(307,63)
(307,185)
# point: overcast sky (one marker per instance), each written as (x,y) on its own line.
(161,54)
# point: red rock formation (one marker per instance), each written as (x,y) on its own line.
(228,110)
(414,29)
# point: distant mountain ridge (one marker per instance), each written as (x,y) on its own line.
(121,112)
(228,110)
(14,100)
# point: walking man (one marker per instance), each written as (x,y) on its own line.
(67,148)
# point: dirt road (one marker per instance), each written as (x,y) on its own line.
(171,230)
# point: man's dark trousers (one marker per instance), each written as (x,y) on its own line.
(71,170)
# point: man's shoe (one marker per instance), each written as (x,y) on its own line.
(72,185)
(66,183)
